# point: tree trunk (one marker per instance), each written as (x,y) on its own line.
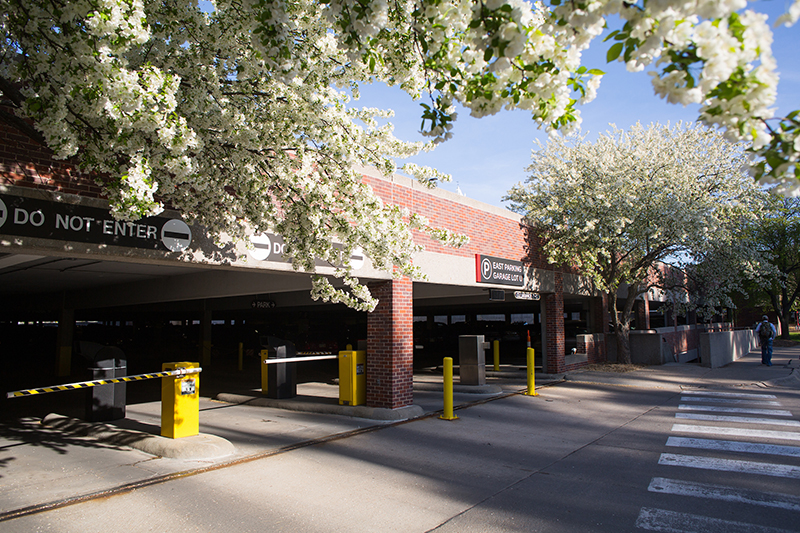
(782,307)
(786,311)
(622,334)
(622,328)
(784,327)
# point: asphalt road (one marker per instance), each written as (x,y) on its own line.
(579,457)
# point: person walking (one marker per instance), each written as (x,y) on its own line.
(765,332)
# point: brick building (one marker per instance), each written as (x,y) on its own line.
(158,282)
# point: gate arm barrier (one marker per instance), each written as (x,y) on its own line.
(97,383)
(299,359)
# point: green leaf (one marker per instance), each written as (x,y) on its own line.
(611,35)
(773,159)
(487,55)
(596,72)
(614,52)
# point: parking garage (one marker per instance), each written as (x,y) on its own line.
(161,290)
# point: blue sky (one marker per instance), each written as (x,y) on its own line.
(487,156)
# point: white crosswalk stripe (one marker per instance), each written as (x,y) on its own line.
(727,400)
(741,419)
(734,446)
(741,410)
(670,521)
(730,410)
(730,465)
(713,394)
(739,432)
(710,491)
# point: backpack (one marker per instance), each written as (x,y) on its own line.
(765,331)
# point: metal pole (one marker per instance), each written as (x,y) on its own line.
(448,390)
(496,354)
(531,374)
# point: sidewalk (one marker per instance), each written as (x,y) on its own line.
(744,372)
(66,460)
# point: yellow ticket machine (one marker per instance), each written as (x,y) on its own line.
(352,377)
(180,402)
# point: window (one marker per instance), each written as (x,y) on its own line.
(522,318)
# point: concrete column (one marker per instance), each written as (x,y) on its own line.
(66,328)
(205,339)
(390,346)
(641,310)
(554,324)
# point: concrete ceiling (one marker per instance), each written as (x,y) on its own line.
(43,283)
(38,274)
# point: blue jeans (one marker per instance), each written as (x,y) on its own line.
(766,352)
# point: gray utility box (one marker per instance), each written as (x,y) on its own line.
(281,377)
(107,402)
(472,359)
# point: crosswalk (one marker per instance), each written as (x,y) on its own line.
(717,434)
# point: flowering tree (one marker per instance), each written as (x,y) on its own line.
(238,114)
(776,238)
(654,208)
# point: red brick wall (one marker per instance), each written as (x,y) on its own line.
(641,309)
(25,163)
(554,324)
(390,346)
(490,234)
(682,340)
(594,346)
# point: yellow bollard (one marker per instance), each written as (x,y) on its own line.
(496,354)
(180,402)
(448,390)
(241,353)
(263,354)
(531,376)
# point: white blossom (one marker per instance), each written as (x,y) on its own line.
(241,117)
(618,208)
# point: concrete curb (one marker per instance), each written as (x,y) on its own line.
(357,411)
(790,381)
(202,446)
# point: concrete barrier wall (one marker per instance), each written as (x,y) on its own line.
(720,348)
(681,343)
(647,348)
(686,343)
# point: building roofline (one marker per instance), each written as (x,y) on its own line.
(413,184)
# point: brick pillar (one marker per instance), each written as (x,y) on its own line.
(554,318)
(641,310)
(390,345)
